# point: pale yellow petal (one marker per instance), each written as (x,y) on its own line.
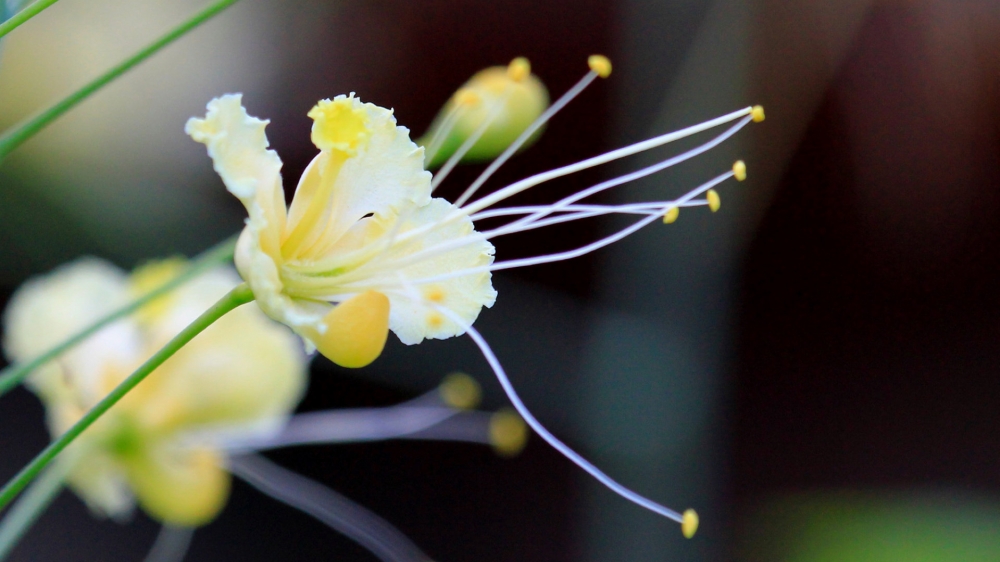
(238,147)
(183,487)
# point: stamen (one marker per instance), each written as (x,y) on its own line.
(551,439)
(689,526)
(336,511)
(476,208)
(636,148)
(671,215)
(714,202)
(600,65)
(740,170)
(172,544)
(508,433)
(466,146)
(523,138)
(757,113)
(460,391)
(464,99)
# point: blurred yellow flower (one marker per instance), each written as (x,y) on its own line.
(244,372)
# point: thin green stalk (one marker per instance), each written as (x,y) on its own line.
(13,375)
(238,296)
(24,15)
(29,507)
(20,133)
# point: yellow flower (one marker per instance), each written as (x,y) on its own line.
(361,209)
(243,372)
(364,248)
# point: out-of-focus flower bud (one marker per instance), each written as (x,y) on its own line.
(497,104)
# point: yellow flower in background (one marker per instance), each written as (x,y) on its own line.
(362,208)
(244,372)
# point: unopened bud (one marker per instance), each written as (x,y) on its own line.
(503,99)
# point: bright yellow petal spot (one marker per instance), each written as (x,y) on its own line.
(187,488)
(714,202)
(671,215)
(740,170)
(435,320)
(508,433)
(434,294)
(600,65)
(461,391)
(757,113)
(519,69)
(339,124)
(689,526)
(356,330)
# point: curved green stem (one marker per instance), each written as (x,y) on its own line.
(20,133)
(238,296)
(28,507)
(13,375)
(24,15)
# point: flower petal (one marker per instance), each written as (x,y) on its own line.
(238,146)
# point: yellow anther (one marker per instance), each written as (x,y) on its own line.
(671,215)
(519,69)
(689,526)
(508,433)
(356,330)
(757,113)
(461,391)
(434,319)
(467,97)
(434,294)
(740,170)
(600,65)
(713,200)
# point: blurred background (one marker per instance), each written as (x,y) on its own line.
(814,368)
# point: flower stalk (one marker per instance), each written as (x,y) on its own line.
(239,296)
(20,133)
(24,15)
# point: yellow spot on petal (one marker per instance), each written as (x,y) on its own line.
(671,215)
(435,320)
(356,330)
(757,113)
(600,65)
(508,433)
(434,294)
(519,69)
(740,170)
(713,200)
(339,124)
(689,526)
(461,391)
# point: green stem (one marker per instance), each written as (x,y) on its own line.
(238,296)
(24,15)
(13,375)
(28,507)
(20,133)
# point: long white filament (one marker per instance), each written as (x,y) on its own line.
(525,135)
(545,434)
(334,510)
(171,545)
(471,141)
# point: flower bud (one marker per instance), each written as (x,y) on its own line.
(504,100)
